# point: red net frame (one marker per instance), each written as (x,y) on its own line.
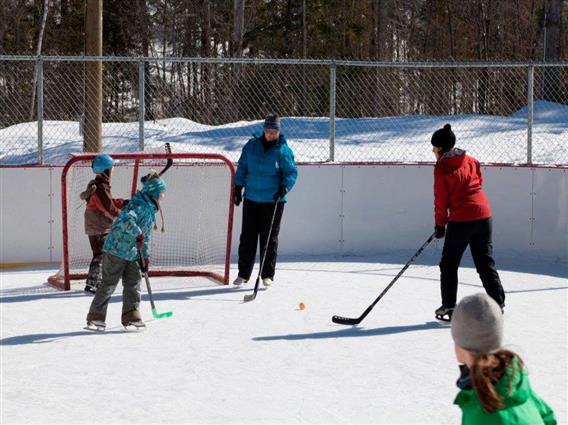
(140,163)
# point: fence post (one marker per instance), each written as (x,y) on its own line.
(39,88)
(332,92)
(530,106)
(141,102)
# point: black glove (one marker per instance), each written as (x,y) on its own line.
(281,192)
(238,195)
(439,232)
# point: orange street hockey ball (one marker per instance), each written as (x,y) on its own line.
(301,306)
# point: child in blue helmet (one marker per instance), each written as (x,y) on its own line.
(130,232)
(100,212)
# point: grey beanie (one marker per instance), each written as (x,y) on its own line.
(272,121)
(477,324)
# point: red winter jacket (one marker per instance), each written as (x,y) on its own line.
(458,195)
(101,208)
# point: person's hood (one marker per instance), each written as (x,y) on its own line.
(451,160)
(513,387)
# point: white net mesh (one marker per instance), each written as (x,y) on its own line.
(197,210)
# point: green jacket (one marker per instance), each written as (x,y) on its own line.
(522,405)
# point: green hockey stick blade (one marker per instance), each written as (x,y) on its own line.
(161,315)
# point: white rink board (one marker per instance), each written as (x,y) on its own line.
(27,206)
(551,215)
(334,209)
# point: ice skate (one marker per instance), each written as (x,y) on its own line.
(91,287)
(133,321)
(267,281)
(240,281)
(95,322)
(95,325)
(444,314)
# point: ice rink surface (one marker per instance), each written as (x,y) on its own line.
(219,360)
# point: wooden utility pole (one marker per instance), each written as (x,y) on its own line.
(238,28)
(93,76)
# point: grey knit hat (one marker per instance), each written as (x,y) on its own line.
(477,324)
(272,121)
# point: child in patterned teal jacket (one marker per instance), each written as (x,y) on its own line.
(130,232)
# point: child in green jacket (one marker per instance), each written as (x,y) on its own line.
(494,384)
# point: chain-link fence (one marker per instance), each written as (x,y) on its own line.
(332,111)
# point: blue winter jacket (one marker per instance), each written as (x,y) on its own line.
(261,172)
(137,217)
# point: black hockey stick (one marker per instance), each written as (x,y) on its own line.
(252,296)
(169,163)
(145,272)
(355,321)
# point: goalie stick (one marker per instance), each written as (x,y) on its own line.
(252,296)
(355,321)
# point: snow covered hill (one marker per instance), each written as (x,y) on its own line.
(492,139)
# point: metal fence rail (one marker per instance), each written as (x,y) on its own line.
(333,111)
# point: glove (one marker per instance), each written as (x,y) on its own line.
(281,192)
(439,232)
(140,241)
(88,192)
(238,195)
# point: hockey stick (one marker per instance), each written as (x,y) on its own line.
(252,296)
(145,272)
(355,321)
(169,163)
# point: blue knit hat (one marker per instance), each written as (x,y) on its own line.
(154,187)
(272,121)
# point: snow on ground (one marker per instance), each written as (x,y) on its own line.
(218,360)
(490,138)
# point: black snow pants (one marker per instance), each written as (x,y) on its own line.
(256,223)
(94,276)
(476,234)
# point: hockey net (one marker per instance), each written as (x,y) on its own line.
(197,209)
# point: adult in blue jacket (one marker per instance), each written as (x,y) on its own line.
(267,172)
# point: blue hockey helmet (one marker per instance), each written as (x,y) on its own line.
(101,163)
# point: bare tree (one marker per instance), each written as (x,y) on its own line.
(551,87)
(38,52)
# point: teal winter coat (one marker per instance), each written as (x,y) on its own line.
(137,217)
(262,171)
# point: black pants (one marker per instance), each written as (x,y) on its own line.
(476,234)
(256,223)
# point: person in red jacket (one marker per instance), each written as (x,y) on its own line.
(461,204)
(100,212)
